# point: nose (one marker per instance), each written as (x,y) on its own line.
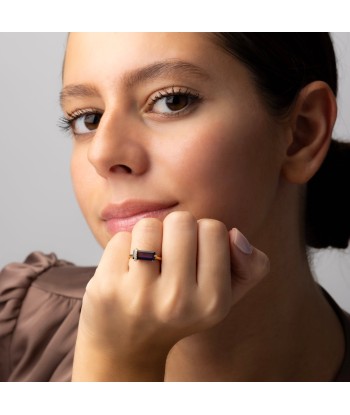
(119,146)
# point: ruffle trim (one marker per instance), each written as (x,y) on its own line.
(15,280)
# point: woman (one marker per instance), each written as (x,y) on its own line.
(179,140)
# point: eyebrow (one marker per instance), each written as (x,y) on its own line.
(77,91)
(147,73)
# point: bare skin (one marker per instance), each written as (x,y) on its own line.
(210,311)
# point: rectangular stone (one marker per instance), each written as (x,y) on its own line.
(145,255)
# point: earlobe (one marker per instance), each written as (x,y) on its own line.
(311,124)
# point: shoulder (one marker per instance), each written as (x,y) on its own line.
(40,300)
(64,278)
(46,273)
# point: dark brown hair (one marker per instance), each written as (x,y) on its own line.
(281,65)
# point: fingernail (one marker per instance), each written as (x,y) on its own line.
(242,243)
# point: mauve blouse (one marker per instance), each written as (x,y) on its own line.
(40,302)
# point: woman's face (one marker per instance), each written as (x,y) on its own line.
(183,128)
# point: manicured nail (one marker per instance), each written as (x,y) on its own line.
(242,243)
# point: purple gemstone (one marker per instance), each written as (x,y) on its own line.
(146,255)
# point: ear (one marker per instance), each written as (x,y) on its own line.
(311,124)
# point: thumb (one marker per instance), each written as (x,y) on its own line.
(249,265)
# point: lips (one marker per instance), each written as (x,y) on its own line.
(123,217)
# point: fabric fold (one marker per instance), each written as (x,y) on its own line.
(40,303)
(15,279)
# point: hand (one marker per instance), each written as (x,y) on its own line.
(135,311)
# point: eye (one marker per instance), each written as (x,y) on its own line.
(82,121)
(86,123)
(173,102)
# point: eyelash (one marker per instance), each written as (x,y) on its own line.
(194,98)
(65,123)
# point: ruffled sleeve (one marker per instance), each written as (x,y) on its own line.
(15,279)
(40,303)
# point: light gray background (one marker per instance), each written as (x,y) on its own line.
(38,207)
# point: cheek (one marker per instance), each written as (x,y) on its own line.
(82,181)
(231,175)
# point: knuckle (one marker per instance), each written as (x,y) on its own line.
(99,292)
(217,308)
(180,218)
(147,225)
(137,305)
(261,267)
(120,238)
(173,309)
(249,275)
(212,226)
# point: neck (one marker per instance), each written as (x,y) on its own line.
(283,330)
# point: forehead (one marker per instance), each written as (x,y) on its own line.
(110,54)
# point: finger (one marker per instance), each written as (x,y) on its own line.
(146,236)
(248,265)
(115,257)
(180,247)
(213,268)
